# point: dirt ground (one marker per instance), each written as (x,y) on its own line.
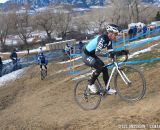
(32,104)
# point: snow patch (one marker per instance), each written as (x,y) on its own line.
(11,76)
(3,1)
(142,51)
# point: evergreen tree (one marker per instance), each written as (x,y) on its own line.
(157,18)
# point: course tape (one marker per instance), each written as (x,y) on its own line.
(50,56)
(142,61)
(136,37)
(133,45)
(125,63)
(136,44)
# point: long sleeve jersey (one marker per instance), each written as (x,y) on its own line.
(97,44)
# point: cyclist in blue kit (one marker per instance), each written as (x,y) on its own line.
(42,59)
(90,58)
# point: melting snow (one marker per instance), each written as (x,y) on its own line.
(142,51)
(3,1)
(11,76)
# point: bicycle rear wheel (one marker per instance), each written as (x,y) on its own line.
(135,89)
(84,98)
(43,74)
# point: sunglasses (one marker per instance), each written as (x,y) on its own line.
(115,34)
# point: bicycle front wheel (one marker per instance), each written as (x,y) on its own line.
(131,84)
(84,98)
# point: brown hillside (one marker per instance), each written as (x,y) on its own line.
(32,104)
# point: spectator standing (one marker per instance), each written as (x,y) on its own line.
(134,31)
(80,46)
(144,30)
(130,33)
(13,56)
(140,29)
(68,49)
(14,59)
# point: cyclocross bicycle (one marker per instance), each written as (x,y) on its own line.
(129,82)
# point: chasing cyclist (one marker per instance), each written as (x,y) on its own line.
(42,59)
(90,52)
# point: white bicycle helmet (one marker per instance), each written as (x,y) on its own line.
(112,28)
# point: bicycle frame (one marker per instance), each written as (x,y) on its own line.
(116,67)
(121,73)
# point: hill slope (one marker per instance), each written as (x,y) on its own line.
(29,103)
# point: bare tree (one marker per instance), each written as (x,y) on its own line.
(116,12)
(138,12)
(147,13)
(127,11)
(13,22)
(24,27)
(45,20)
(63,21)
(3,31)
(5,25)
(98,19)
(81,25)
(133,10)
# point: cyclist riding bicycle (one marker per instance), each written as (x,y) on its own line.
(42,60)
(90,58)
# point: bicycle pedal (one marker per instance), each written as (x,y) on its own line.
(102,93)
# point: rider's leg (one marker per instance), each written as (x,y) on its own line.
(98,65)
(45,66)
(105,75)
(93,61)
(14,64)
(40,66)
(94,76)
(92,80)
